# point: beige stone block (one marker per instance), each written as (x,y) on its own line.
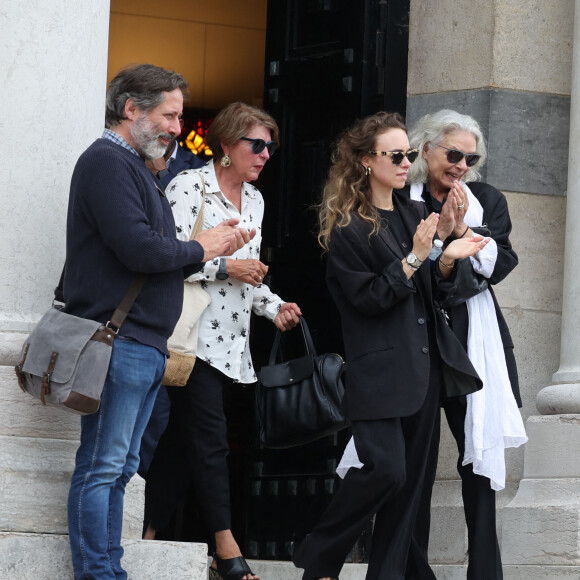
(449,572)
(21,415)
(553,449)
(273,570)
(541,524)
(448,49)
(10,347)
(526,572)
(536,337)
(448,538)
(538,238)
(511,44)
(47,557)
(532,48)
(34,482)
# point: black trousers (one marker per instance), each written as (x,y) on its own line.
(394,453)
(478,504)
(193,450)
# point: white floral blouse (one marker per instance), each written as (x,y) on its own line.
(224,326)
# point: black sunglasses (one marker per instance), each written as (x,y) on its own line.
(258,145)
(455,156)
(398,156)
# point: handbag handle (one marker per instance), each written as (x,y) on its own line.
(198,226)
(308,343)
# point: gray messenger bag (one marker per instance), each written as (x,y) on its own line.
(65,359)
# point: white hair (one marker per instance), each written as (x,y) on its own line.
(430,130)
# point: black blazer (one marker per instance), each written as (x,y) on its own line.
(385,321)
(498,225)
(184,159)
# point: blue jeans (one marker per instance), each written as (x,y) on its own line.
(108,457)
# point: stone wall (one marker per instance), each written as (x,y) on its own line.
(509,65)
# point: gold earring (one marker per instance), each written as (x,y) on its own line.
(225,161)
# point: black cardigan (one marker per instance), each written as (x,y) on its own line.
(119,225)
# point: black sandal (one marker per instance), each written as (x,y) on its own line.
(230,568)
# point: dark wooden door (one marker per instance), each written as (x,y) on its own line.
(328,62)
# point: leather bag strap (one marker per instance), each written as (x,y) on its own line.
(122,310)
(308,343)
(198,226)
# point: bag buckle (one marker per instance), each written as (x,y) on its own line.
(45,385)
(114,330)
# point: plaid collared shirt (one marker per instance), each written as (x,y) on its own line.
(116,138)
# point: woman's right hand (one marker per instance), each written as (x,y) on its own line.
(423,238)
(248,271)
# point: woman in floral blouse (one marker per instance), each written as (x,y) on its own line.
(242,139)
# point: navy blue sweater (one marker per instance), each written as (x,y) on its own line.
(115,219)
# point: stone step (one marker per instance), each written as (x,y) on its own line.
(47,557)
(34,480)
(21,415)
(270,570)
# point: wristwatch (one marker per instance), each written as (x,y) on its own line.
(413,261)
(222,273)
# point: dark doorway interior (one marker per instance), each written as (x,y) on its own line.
(328,62)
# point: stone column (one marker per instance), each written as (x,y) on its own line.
(541,525)
(563,397)
(53,71)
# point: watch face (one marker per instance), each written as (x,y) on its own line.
(221,276)
(412,260)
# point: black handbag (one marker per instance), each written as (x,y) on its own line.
(299,400)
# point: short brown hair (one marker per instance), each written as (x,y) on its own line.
(145,84)
(234,122)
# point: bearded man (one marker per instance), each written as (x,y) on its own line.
(119,227)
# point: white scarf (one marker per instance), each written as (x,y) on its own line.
(493,421)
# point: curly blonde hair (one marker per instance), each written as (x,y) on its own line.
(347,188)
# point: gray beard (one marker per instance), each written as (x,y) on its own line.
(146,139)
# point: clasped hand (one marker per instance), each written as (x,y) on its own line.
(453,212)
(223,240)
(248,271)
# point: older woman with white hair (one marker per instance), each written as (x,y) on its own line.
(446,179)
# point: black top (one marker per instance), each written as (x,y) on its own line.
(392,220)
